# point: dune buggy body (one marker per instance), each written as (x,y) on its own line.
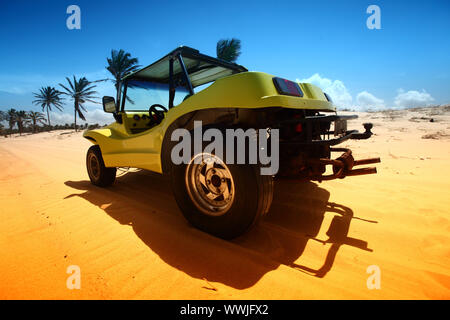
(306,117)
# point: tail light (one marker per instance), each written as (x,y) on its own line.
(286,87)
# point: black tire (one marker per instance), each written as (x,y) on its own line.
(99,174)
(253,195)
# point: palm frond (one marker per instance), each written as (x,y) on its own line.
(119,65)
(228,49)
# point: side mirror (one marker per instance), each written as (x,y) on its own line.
(109,104)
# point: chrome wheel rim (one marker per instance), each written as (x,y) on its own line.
(210,184)
(94,166)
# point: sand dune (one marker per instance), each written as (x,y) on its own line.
(131,241)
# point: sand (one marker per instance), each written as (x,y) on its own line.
(131,241)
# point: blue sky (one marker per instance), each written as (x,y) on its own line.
(324,42)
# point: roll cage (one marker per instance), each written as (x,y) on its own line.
(183,66)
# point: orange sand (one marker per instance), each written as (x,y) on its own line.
(131,241)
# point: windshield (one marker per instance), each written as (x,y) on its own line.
(142,94)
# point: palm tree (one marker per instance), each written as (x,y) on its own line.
(11,118)
(120,64)
(21,120)
(80,91)
(2,117)
(36,117)
(48,97)
(228,49)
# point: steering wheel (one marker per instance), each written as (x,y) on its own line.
(156,116)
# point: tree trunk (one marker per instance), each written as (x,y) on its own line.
(118,87)
(48,117)
(75,124)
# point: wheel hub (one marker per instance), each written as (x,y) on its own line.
(209,184)
(94,166)
(215,181)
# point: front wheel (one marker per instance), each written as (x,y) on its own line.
(222,199)
(99,174)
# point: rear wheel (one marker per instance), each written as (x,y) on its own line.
(99,174)
(222,199)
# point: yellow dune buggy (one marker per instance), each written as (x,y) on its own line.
(216,193)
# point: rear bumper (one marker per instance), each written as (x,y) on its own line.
(309,124)
(312,155)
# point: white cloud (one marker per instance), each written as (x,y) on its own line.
(92,116)
(367,101)
(412,98)
(99,116)
(334,88)
(60,118)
